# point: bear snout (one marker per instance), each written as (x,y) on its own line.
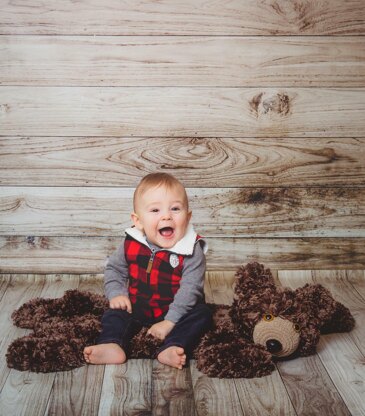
(279,336)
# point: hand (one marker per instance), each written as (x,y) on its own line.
(161,329)
(121,302)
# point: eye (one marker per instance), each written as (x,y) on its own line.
(268,317)
(296,327)
(175,209)
(154,210)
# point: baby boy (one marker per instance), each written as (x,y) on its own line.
(155,278)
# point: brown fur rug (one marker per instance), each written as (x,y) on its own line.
(264,323)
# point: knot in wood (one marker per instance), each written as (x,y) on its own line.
(278,103)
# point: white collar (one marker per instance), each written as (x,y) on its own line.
(185,246)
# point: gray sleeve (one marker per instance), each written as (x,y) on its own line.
(191,288)
(116,274)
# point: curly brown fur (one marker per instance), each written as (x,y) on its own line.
(61,329)
(225,354)
(312,307)
(317,302)
(43,354)
(73,302)
(143,345)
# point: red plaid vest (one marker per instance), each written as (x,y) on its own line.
(154,277)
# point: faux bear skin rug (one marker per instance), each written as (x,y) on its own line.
(264,323)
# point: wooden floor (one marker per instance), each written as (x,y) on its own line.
(329,383)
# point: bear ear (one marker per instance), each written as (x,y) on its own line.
(253,277)
(318,302)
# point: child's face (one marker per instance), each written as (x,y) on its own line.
(162,214)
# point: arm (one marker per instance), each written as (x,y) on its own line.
(191,288)
(116,280)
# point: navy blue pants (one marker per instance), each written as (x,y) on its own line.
(119,326)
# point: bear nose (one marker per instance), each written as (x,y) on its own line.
(274,346)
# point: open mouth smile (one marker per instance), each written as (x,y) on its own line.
(166,232)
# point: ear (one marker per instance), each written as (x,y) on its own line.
(341,321)
(190,213)
(136,221)
(252,280)
(333,316)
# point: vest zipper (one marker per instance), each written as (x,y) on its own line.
(150,263)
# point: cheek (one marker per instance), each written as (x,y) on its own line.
(182,220)
(148,223)
(181,226)
(153,224)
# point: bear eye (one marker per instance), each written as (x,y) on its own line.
(268,317)
(296,327)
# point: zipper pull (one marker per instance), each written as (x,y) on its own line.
(149,267)
(150,262)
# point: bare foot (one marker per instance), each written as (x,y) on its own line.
(104,354)
(173,356)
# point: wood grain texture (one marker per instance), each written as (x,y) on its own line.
(195,17)
(260,212)
(265,396)
(127,389)
(92,282)
(76,392)
(344,363)
(310,388)
(217,162)
(200,61)
(215,396)
(4,284)
(185,112)
(357,280)
(19,254)
(172,391)
(26,393)
(338,352)
(219,285)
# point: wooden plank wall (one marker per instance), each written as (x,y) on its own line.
(257,106)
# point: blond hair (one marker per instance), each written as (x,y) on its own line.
(154,180)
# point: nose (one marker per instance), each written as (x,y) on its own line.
(166,215)
(274,346)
